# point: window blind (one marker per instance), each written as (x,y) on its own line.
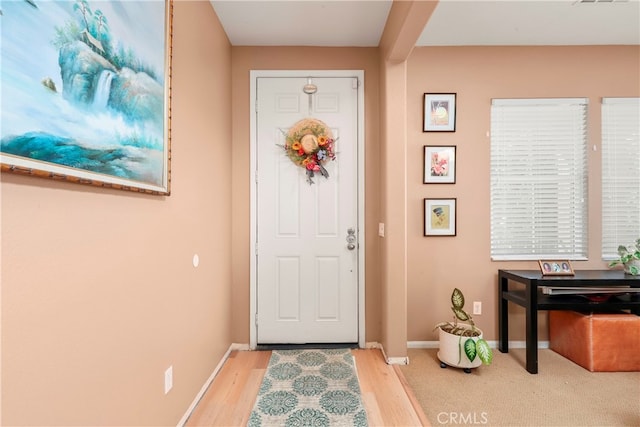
(539,179)
(620,174)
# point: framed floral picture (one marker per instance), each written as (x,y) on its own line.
(440,217)
(439,112)
(439,164)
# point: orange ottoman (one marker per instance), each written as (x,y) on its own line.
(597,342)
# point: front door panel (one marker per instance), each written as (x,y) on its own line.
(307,277)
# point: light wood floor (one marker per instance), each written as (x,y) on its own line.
(386,396)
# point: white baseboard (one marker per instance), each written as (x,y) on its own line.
(492,344)
(389,360)
(207,383)
(239,347)
(398,360)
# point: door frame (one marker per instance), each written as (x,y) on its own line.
(253,291)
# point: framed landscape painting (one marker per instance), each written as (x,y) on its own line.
(85,92)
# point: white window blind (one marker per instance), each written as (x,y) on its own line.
(539,179)
(620,174)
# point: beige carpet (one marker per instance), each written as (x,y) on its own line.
(505,394)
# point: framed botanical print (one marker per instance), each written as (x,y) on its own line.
(439,164)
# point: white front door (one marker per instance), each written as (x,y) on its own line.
(306,270)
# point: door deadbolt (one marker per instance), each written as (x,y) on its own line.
(351,239)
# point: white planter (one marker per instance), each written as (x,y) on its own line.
(451,350)
(635,262)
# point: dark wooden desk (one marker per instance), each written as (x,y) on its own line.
(532,299)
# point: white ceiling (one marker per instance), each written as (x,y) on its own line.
(453,23)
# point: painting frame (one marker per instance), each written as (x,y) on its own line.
(440,216)
(439,112)
(561,267)
(139,161)
(439,164)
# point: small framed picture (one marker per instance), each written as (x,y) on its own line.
(556,267)
(439,112)
(439,217)
(439,164)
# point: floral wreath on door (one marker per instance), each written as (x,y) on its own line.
(310,145)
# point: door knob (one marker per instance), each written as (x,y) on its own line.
(351,239)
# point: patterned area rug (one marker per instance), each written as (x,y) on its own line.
(309,388)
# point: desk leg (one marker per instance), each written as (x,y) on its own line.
(635,311)
(532,327)
(503,315)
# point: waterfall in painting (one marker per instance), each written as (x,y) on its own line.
(101,95)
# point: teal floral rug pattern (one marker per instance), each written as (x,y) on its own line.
(309,388)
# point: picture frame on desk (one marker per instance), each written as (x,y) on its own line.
(556,268)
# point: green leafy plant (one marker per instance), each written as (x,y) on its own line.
(473,347)
(628,254)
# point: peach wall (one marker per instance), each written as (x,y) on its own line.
(394,211)
(99,294)
(404,24)
(477,74)
(245,59)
